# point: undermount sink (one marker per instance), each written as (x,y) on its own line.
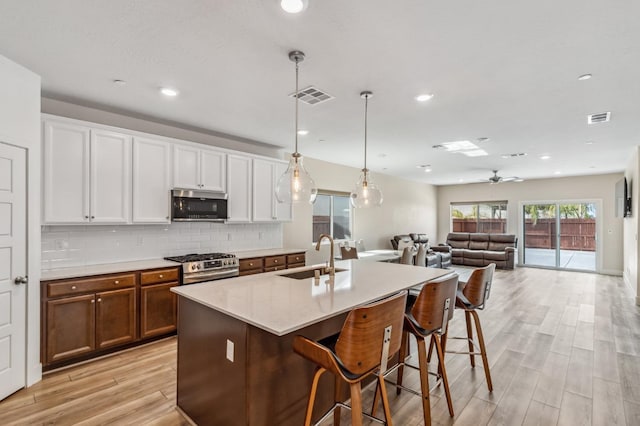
(309,273)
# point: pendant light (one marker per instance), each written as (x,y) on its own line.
(295,185)
(366,193)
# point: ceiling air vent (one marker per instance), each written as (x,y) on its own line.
(312,96)
(602,117)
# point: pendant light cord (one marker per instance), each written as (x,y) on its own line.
(366,105)
(297,99)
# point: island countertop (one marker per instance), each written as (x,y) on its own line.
(281,305)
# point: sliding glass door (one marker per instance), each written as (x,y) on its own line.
(560,235)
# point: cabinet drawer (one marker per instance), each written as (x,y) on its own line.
(295,265)
(87,285)
(275,268)
(272,261)
(159,276)
(250,264)
(295,258)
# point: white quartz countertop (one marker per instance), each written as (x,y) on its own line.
(268,252)
(107,268)
(281,305)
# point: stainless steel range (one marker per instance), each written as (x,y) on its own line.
(197,268)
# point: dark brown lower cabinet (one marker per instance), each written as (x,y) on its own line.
(115,317)
(70,330)
(158,313)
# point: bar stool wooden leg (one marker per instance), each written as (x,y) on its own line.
(430,350)
(385,400)
(467,317)
(337,397)
(424,380)
(312,395)
(356,404)
(483,350)
(443,372)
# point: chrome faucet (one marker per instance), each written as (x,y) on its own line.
(331,269)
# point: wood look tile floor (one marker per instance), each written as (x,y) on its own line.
(564,349)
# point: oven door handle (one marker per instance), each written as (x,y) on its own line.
(198,277)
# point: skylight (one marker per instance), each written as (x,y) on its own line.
(467,148)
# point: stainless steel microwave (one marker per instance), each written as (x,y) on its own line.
(198,206)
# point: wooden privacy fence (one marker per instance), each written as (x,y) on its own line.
(575,234)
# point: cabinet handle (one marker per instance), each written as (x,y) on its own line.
(73,287)
(93,217)
(167,217)
(161,276)
(99,300)
(86,217)
(275,261)
(250,263)
(93,301)
(116,282)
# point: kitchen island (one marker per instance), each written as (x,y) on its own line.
(235,362)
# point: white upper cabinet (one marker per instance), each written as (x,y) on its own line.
(66,173)
(151,181)
(110,179)
(87,175)
(266,207)
(195,168)
(239,185)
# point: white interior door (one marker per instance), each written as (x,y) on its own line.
(13,267)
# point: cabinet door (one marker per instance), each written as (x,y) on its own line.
(284,211)
(110,177)
(186,167)
(158,310)
(115,317)
(213,171)
(239,188)
(66,173)
(70,327)
(151,181)
(263,191)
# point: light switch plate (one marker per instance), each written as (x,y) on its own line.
(230,350)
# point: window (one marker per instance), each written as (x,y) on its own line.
(490,216)
(332,215)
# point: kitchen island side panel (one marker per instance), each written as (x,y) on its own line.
(279,380)
(211,389)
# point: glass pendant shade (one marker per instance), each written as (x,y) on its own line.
(296,185)
(366,193)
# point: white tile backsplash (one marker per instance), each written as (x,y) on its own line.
(68,246)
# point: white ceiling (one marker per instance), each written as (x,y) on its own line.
(506,70)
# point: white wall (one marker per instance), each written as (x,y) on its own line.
(81,245)
(631,245)
(593,188)
(407,207)
(20,126)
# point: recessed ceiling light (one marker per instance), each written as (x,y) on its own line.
(460,180)
(589,142)
(427,170)
(167,91)
(545,157)
(424,97)
(557,172)
(303,132)
(585,77)
(118,82)
(293,6)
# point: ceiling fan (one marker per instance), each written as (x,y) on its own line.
(497,179)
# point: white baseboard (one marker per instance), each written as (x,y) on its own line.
(615,272)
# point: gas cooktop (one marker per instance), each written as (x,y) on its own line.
(200,257)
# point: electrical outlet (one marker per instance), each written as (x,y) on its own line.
(230,350)
(62,244)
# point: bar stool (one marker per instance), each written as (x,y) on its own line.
(369,337)
(347,252)
(427,318)
(407,256)
(473,296)
(421,256)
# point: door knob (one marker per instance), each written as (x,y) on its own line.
(21,280)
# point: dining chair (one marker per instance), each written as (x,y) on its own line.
(370,336)
(407,256)
(421,256)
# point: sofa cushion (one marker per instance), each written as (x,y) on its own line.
(457,253)
(478,245)
(472,254)
(495,255)
(419,238)
(458,239)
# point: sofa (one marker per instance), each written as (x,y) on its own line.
(481,249)
(437,256)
